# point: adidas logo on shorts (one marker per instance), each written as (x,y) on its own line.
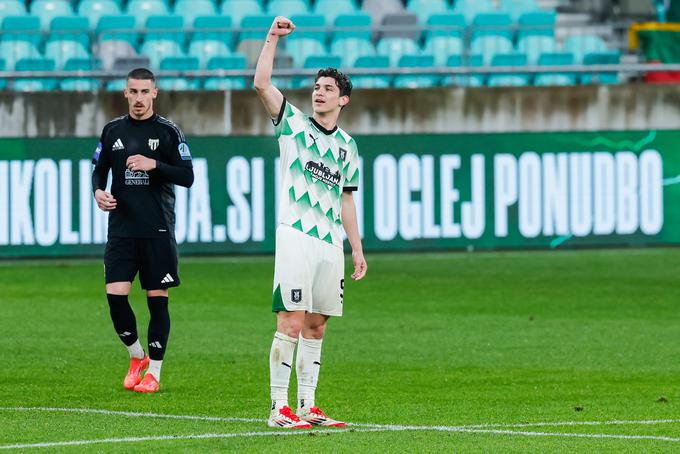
(167,279)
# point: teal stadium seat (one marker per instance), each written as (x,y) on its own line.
(580,45)
(214,28)
(191,9)
(235,62)
(352,25)
(448,24)
(488,46)
(116,85)
(331,9)
(3,67)
(47,10)
(31,84)
(535,45)
(142,9)
(311,26)
(206,49)
(302,48)
(316,62)
(423,80)
(238,9)
(371,81)
(350,49)
(470,8)
(441,47)
(118,28)
(179,83)
(12,8)
(13,51)
(537,23)
(426,8)
(518,7)
(93,10)
(395,48)
(287,8)
(81,83)
(464,80)
(255,27)
(63,50)
(492,24)
(168,26)
(74,28)
(517,79)
(157,50)
(601,58)
(21,28)
(555,78)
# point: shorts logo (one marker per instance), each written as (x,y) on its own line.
(153,144)
(296,295)
(184,152)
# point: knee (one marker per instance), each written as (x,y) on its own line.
(290,326)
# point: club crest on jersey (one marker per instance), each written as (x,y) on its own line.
(184,152)
(343,154)
(153,144)
(323,173)
(296,295)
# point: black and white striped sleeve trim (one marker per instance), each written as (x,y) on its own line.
(180,134)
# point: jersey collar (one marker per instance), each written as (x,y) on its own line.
(328,132)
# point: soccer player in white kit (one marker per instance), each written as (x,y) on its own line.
(319,171)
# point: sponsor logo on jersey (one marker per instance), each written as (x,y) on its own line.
(97,152)
(184,152)
(323,173)
(296,295)
(118,145)
(136,178)
(153,144)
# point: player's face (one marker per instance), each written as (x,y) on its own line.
(326,96)
(140,95)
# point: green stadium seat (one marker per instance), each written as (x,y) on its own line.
(302,48)
(555,78)
(239,9)
(580,45)
(118,28)
(206,49)
(116,85)
(165,27)
(255,27)
(470,8)
(395,48)
(21,28)
(63,50)
(492,24)
(81,83)
(488,46)
(210,28)
(537,23)
(93,10)
(74,28)
(13,51)
(157,50)
(535,45)
(30,84)
(518,7)
(12,8)
(448,24)
(352,25)
(316,62)
(350,49)
(287,8)
(464,80)
(331,9)
(371,81)
(235,62)
(47,10)
(179,83)
(426,8)
(518,79)
(441,47)
(601,58)
(142,9)
(191,9)
(310,26)
(423,80)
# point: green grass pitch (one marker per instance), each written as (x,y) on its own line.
(573,351)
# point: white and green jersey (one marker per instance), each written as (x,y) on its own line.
(317,165)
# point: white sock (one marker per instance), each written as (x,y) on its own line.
(308,363)
(155,369)
(136,350)
(280,366)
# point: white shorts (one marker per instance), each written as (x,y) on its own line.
(308,274)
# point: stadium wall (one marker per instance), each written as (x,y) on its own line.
(440,110)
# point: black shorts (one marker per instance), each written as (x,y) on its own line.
(154,258)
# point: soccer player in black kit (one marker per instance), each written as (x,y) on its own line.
(146,154)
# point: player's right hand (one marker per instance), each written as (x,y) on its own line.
(105,201)
(282,26)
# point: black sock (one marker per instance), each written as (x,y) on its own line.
(159,326)
(123,318)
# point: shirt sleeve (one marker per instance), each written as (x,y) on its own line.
(290,120)
(176,167)
(350,168)
(102,164)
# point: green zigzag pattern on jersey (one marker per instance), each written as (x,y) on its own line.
(328,238)
(301,143)
(313,232)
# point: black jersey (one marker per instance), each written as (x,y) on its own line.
(145,200)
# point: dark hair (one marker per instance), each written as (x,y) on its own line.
(341,80)
(141,74)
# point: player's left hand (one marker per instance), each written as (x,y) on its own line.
(140,163)
(360,266)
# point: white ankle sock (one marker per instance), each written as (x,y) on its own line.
(136,350)
(280,366)
(307,365)
(155,369)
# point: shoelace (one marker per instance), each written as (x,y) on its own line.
(317,411)
(287,412)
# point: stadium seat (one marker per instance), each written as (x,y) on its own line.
(116,85)
(127,64)
(379,8)
(191,9)
(157,50)
(464,80)
(3,67)
(601,58)
(331,9)
(27,84)
(118,28)
(12,8)
(63,50)
(206,49)
(541,23)
(350,49)
(488,46)
(13,51)
(352,25)
(395,48)
(448,24)
(441,47)
(301,49)
(416,80)
(110,50)
(426,8)
(235,62)
(492,24)
(251,49)
(72,28)
(179,83)
(81,83)
(142,9)
(287,8)
(167,26)
(400,25)
(46,10)
(208,28)
(95,9)
(238,9)
(518,7)
(535,45)
(371,81)
(311,26)
(580,45)
(316,62)
(470,8)
(555,78)
(21,28)
(509,79)
(255,27)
